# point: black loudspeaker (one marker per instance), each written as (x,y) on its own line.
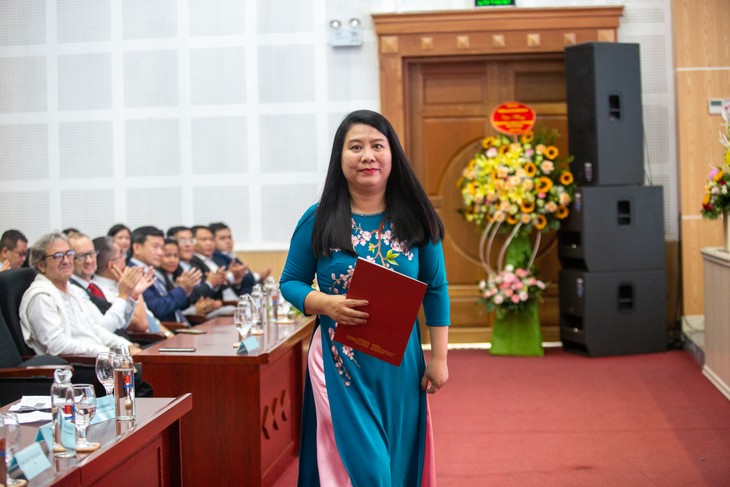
(613,227)
(613,313)
(605,126)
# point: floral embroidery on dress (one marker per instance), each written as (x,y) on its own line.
(384,241)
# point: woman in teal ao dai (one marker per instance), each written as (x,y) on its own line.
(366,422)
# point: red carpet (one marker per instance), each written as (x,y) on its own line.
(568,420)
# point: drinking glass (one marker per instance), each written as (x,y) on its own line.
(243,317)
(85,402)
(11,430)
(105,370)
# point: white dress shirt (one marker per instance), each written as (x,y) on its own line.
(119,314)
(55,322)
(110,288)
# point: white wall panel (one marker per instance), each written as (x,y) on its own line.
(191,111)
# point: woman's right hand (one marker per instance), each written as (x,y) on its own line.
(344,311)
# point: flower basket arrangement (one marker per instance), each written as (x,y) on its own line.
(515,185)
(511,290)
(517,182)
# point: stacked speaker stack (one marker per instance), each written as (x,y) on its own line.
(611,246)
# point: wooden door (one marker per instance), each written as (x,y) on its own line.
(448,103)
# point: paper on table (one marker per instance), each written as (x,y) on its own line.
(31,403)
(33,417)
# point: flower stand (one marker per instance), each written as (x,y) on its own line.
(518,333)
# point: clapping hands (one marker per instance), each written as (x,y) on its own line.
(205,305)
(216,278)
(189,279)
(133,281)
(238,269)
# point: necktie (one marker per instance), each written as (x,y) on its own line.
(95,291)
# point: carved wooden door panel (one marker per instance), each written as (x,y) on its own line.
(449,101)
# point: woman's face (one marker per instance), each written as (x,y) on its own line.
(123,239)
(366,160)
(170,258)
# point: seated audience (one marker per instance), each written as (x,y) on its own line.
(169,270)
(235,272)
(211,287)
(147,249)
(56,317)
(122,236)
(224,255)
(13,250)
(113,279)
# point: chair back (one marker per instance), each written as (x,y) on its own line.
(13,284)
(9,354)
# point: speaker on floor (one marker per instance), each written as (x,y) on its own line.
(605,127)
(613,227)
(613,313)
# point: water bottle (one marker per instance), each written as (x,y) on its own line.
(259,315)
(64,414)
(124,402)
(272,298)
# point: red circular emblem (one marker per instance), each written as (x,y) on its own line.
(512,118)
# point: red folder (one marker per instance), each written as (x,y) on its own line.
(394,300)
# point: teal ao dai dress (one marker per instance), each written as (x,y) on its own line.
(374,424)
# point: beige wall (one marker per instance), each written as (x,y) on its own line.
(702,71)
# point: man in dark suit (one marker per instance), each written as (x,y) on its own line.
(224,256)
(147,251)
(234,271)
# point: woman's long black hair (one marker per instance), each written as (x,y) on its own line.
(412,216)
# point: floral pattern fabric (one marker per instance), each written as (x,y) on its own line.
(378,410)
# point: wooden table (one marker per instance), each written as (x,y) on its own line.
(244,429)
(142,453)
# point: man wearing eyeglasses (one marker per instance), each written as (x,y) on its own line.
(13,250)
(56,317)
(118,310)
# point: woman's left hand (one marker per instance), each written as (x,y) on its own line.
(435,376)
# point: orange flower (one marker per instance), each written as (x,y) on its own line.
(511,220)
(718,176)
(530,169)
(527,137)
(551,152)
(488,142)
(543,184)
(566,178)
(561,213)
(527,206)
(540,222)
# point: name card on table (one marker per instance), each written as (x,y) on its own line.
(32,460)
(45,433)
(250,344)
(104,409)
